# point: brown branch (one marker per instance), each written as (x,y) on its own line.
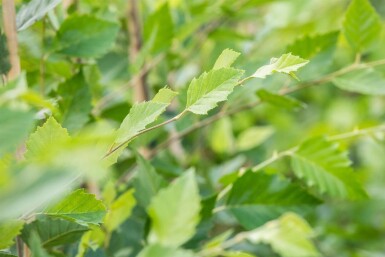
(9,21)
(134,30)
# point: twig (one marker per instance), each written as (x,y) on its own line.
(219,115)
(9,21)
(134,29)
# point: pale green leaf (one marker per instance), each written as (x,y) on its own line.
(362,25)
(322,165)
(210,88)
(226,59)
(287,64)
(282,101)
(162,251)
(53,232)
(256,198)
(253,137)
(9,230)
(289,236)
(142,114)
(174,212)
(34,11)
(80,207)
(92,239)
(237,254)
(86,36)
(367,81)
(49,134)
(119,211)
(147,182)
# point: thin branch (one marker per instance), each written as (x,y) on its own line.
(9,21)
(135,32)
(300,86)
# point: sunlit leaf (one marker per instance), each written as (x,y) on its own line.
(9,230)
(161,251)
(287,64)
(226,59)
(79,206)
(205,92)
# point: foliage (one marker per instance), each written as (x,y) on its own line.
(160,128)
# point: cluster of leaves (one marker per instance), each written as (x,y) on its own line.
(84,167)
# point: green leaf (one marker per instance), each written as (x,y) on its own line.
(226,59)
(49,134)
(237,254)
(174,212)
(147,182)
(34,11)
(308,46)
(210,88)
(9,230)
(165,95)
(289,236)
(80,207)
(142,114)
(287,63)
(161,251)
(15,126)
(86,36)
(221,136)
(4,254)
(256,198)
(322,165)
(5,65)
(159,28)
(35,245)
(75,102)
(368,81)
(282,101)
(53,232)
(253,137)
(362,25)
(119,211)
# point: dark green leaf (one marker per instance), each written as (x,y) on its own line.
(282,101)
(86,36)
(256,198)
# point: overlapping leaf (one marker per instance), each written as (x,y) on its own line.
(322,165)
(161,251)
